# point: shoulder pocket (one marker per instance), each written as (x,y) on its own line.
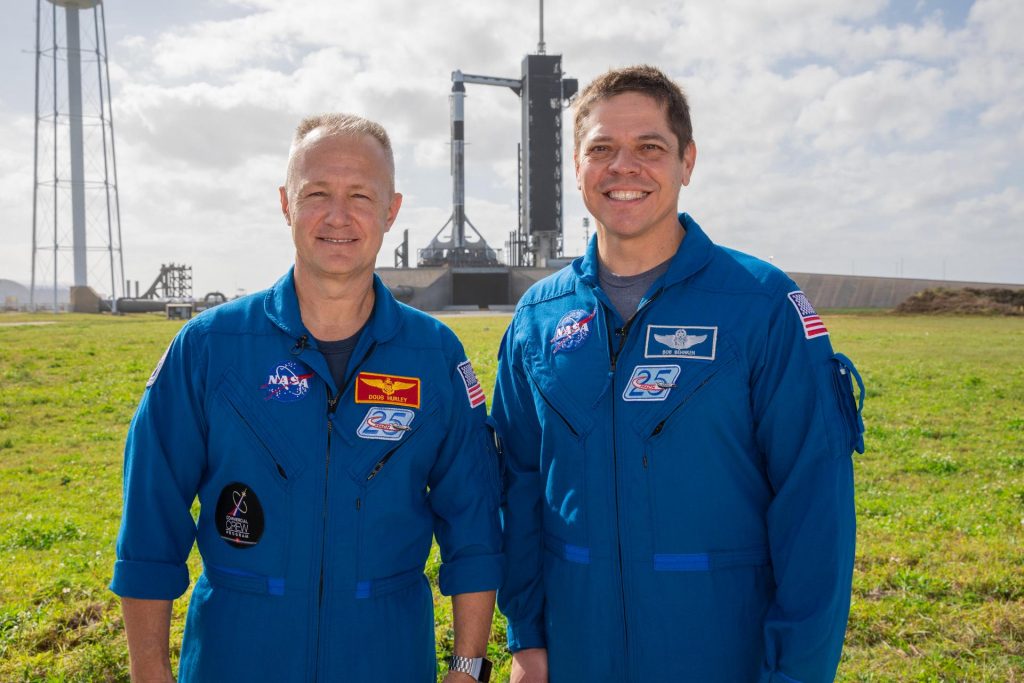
(494,446)
(844,374)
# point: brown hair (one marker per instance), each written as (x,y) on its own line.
(643,79)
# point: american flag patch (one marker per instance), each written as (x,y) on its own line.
(474,391)
(813,326)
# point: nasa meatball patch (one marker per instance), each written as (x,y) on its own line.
(287,381)
(239,516)
(572,330)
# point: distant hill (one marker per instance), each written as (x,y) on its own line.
(16,295)
(968,300)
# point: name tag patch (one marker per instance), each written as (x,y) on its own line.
(651,383)
(373,387)
(386,423)
(691,342)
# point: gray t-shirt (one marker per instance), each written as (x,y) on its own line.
(337,354)
(626,291)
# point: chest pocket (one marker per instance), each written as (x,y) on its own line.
(259,426)
(253,469)
(566,401)
(377,439)
(570,388)
(695,383)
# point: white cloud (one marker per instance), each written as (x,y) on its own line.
(828,133)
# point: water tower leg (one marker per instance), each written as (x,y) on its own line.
(76,151)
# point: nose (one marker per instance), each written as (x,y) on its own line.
(624,162)
(339,212)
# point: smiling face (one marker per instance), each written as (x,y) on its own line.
(630,171)
(339,201)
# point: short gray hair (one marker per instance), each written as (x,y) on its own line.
(341,124)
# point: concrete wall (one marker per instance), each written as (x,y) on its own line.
(430,289)
(521,279)
(857,291)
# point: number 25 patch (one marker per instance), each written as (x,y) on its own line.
(651,383)
(386,423)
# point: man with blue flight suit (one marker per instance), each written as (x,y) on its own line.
(328,432)
(677,434)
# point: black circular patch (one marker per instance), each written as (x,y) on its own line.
(239,516)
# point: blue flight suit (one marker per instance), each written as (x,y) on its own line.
(679,486)
(317,502)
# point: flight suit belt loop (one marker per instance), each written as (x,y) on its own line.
(670,562)
(372,588)
(567,551)
(241,580)
(703,562)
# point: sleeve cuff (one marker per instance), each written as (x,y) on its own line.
(149,580)
(526,635)
(471,574)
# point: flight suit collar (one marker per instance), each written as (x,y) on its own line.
(282,308)
(693,254)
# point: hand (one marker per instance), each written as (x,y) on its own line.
(530,666)
(458,677)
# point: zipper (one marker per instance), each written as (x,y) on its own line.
(332,405)
(556,411)
(266,447)
(661,425)
(618,520)
(623,334)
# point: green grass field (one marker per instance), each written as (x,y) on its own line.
(939,582)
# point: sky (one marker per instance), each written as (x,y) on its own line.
(875,137)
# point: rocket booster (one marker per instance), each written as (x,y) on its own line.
(458,98)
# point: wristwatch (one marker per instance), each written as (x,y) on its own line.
(477,667)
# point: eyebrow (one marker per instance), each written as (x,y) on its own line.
(655,136)
(360,186)
(641,137)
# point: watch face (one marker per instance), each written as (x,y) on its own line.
(485,671)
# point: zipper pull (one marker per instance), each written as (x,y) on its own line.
(380,465)
(621,333)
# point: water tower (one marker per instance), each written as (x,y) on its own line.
(76,218)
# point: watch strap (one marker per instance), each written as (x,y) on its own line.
(477,667)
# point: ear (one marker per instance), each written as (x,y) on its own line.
(576,163)
(284,204)
(396,204)
(689,159)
